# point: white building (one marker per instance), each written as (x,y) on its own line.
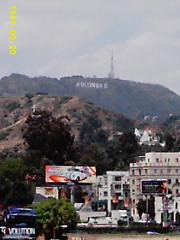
(101,186)
(147,137)
(114,188)
(154,165)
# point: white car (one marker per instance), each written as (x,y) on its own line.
(77,174)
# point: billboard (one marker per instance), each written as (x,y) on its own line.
(47,191)
(69,174)
(151,186)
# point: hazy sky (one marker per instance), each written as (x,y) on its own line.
(76,37)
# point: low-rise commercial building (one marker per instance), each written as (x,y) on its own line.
(113,188)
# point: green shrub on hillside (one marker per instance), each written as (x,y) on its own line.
(3,135)
(12,106)
(64,100)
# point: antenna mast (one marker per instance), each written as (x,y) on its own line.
(111,73)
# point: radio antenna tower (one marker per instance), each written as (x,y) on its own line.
(111,73)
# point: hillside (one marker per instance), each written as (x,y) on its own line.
(14,111)
(133,99)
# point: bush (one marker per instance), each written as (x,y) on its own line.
(3,135)
(64,100)
(29,95)
(12,106)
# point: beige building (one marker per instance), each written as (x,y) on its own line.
(154,165)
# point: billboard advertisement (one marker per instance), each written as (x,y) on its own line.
(70,174)
(151,186)
(47,191)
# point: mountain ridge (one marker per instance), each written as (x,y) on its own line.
(134,99)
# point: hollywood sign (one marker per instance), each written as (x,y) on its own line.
(92,85)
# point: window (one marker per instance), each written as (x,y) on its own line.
(146,171)
(133,181)
(177,180)
(139,171)
(176,205)
(133,201)
(177,191)
(105,194)
(157,159)
(169,191)
(132,172)
(168,170)
(177,170)
(133,191)
(177,160)
(155,170)
(161,171)
(117,178)
(169,181)
(117,186)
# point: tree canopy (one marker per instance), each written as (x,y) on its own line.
(52,214)
(123,150)
(50,137)
(91,131)
(14,188)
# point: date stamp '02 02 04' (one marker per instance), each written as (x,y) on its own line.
(12,31)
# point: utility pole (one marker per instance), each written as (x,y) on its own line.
(147,209)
